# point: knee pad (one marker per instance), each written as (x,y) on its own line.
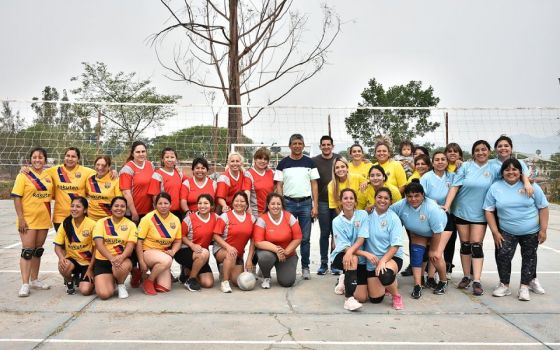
(377,300)
(466,248)
(477,250)
(27,253)
(38,252)
(417,255)
(387,278)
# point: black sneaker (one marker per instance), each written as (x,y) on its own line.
(70,290)
(431,283)
(336,272)
(323,269)
(440,288)
(477,289)
(416,292)
(182,276)
(407,272)
(192,285)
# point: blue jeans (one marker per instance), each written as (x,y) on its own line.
(326,216)
(302,212)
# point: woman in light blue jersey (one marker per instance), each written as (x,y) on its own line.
(522,220)
(465,199)
(504,151)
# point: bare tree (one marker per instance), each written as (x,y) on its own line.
(243,47)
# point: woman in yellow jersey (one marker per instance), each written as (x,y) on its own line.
(159,238)
(32,193)
(422,165)
(341,179)
(101,188)
(377,179)
(115,238)
(74,248)
(454,155)
(393,169)
(359,165)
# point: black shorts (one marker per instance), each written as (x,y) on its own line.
(397,260)
(450,226)
(459,221)
(56,226)
(102,266)
(79,271)
(179,214)
(185,257)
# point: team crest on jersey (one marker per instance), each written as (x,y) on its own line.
(47,180)
(383,223)
(78,175)
(422,217)
(521,191)
(172,225)
(357,224)
(448,184)
(486,174)
(124,228)
(388,173)
(85,233)
(107,185)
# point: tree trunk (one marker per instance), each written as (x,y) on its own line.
(234,113)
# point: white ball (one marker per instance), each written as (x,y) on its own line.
(246,281)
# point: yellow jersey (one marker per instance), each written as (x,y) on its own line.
(352,181)
(35,191)
(99,193)
(115,235)
(361,170)
(68,184)
(368,198)
(80,244)
(451,168)
(415,175)
(159,233)
(396,175)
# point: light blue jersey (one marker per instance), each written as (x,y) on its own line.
(497,165)
(475,181)
(517,213)
(425,220)
(436,187)
(385,231)
(346,232)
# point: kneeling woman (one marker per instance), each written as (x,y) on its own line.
(350,228)
(277,235)
(197,231)
(74,248)
(383,250)
(231,234)
(115,238)
(426,221)
(159,238)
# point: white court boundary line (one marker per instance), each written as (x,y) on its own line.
(270,342)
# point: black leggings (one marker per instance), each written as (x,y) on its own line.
(504,255)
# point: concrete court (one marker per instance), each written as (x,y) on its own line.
(308,315)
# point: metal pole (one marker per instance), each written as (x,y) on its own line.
(446,128)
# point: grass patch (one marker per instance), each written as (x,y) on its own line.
(6,188)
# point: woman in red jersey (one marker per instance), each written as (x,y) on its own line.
(168,179)
(261,178)
(231,181)
(196,185)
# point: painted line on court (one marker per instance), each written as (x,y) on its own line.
(549,248)
(273,342)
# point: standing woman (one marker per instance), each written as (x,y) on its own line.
(168,179)
(394,170)
(359,165)
(114,237)
(101,188)
(426,222)
(197,231)
(196,185)
(465,198)
(377,180)
(232,232)
(277,235)
(159,239)
(454,155)
(32,193)
(262,181)
(341,179)
(74,248)
(231,181)
(422,165)
(69,181)
(504,151)
(522,220)
(350,228)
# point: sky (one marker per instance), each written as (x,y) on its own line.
(473,53)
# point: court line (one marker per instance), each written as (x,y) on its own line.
(549,248)
(50,233)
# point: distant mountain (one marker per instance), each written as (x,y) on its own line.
(529,144)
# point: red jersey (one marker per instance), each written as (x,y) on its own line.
(234,231)
(229,185)
(281,232)
(162,181)
(261,186)
(190,191)
(197,230)
(137,179)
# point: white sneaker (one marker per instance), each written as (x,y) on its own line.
(306,274)
(352,304)
(121,289)
(37,284)
(339,288)
(523,293)
(535,287)
(501,290)
(225,287)
(265,283)
(24,290)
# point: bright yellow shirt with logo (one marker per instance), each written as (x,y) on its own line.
(368,198)
(115,235)
(396,175)
(99,193)
(352,181)
(159,233)
(80,244)
(68,184)
(361,170)
(35,191)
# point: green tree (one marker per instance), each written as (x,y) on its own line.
(367,125)
(11,122)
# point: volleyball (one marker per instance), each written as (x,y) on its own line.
(246,281)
